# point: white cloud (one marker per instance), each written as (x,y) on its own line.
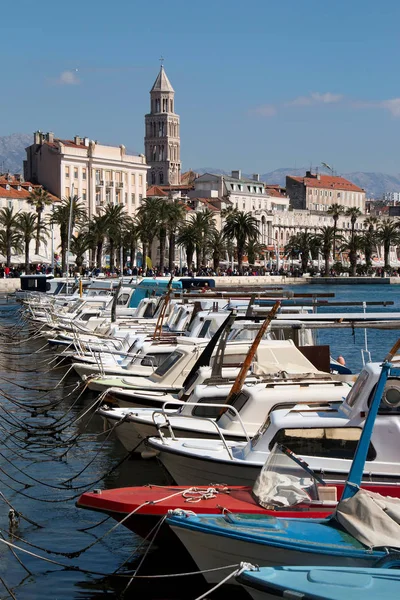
(68,78)
(393,106)
(315,98)
(265,110)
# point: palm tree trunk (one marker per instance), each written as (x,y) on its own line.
(112,253)
(198,258)
(171,255)
(334,239)
(216,258)
(189,258)
(39,218)
(326,257)
(132,252)
(144,256)
(240,253)
(386,249)
(27,256)
(162,249)
(99,252)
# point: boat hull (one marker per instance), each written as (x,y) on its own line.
(210,551)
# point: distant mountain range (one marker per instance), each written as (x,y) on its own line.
(375,184)
(12,154)
(12,151)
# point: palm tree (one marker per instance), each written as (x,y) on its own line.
(185,238)
(146,232)
(10,237)
(353,245)
(61,216)
(114,216)
(97,232)
(202,225)
(369,239)
(80,243)
(131,237)
(244,228)
(253,249)
(326,239)
(300,242)
(335,210)
(27,226)
(353,212)
(176,216)
(388,235)
(217,247)
(39,198)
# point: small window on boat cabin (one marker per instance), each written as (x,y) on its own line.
(327,442)
(123,299)
(153,360)
(357,389)
(204,330)
(208,412)
(149,310)
(239,401)
(168,363)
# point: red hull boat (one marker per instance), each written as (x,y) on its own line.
(144,506)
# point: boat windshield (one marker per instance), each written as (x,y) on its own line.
(285,480)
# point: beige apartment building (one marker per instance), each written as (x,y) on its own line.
(97,174)
(317,192)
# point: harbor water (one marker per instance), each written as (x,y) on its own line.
(49,456)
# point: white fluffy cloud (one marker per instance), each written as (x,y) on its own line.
(315,98)
(68,78)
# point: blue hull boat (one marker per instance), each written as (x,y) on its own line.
(321,583)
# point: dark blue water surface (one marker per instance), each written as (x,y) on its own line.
(41,451)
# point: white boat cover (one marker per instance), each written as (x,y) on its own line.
(277,489)
(278,358)
(374,520)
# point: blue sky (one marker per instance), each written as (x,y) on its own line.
(259,84)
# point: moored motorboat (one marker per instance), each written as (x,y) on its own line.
(322,583)
(357,535)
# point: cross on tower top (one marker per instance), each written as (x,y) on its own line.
(162,60)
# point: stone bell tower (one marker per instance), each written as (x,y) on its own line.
(162,140)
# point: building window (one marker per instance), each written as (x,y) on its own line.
(108,176)
(133,179)
(153,177)
(140,179)
(140,198)
(75,172)
(126,197)
(67,192)
(161,178)
(98,197)
(67,172)
(98,176)
(108,196)
(83,194)
(84,173)
(133,198)
(118,176)
(338,194)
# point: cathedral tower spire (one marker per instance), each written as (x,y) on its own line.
(162,140)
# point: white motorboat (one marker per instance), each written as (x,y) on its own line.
(325,436)
(292,379)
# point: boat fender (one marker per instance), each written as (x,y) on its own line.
(149,453)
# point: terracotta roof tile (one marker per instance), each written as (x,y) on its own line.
(14,192)
(328,182)
(154,190)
